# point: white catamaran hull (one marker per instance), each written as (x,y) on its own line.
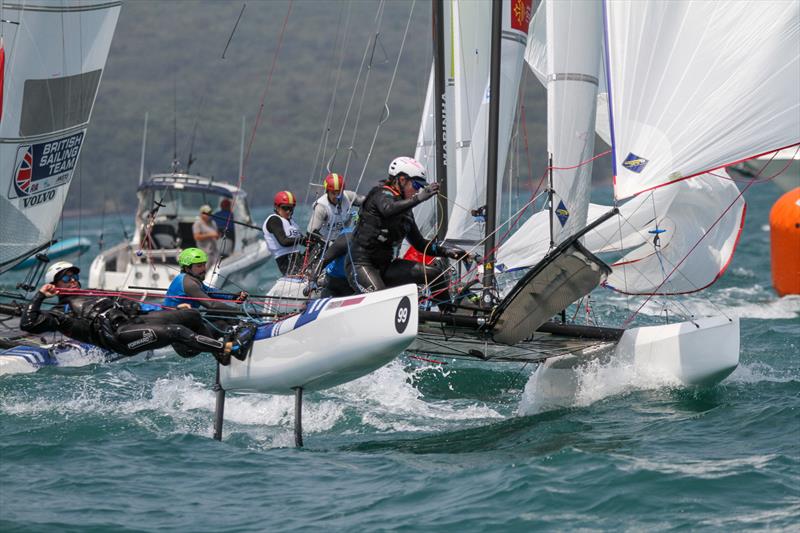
(334,341)
(701,352)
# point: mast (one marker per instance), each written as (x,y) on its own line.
(439,110)
(494,126)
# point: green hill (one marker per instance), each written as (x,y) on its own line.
(166,59)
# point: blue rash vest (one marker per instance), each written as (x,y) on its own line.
(176,294)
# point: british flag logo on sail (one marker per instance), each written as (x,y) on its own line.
(24,172)
(42,167)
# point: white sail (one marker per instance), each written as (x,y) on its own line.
(536,58)
(695,86)
(471,193)
(678,234)
(425,153)
(573,67)
(55,55)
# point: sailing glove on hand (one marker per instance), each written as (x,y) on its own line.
(427,192)
(242,297)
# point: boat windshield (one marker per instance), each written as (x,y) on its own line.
(177,203)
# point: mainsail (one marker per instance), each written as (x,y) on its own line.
(680,238)
(695,86)
(55,54)
(472,50)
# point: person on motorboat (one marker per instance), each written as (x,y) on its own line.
(122,326)
(206,233)
(283,235)
(386,219)
(224,220)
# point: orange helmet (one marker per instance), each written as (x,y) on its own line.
(285,198)
(334,182)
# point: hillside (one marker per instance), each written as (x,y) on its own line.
(167,57)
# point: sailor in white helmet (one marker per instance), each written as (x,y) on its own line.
(386,219)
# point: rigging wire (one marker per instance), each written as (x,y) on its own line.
(382,119)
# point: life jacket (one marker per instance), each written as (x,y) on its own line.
(175,292)
(339,216)
(377,233)
(290,228)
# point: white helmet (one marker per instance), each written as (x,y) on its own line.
(408,166)
(57,268)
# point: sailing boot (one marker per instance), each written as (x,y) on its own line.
(239,339)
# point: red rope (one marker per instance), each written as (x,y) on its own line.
(666,278)
(427,360)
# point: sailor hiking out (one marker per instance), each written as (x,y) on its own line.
(188,291)
(122,326)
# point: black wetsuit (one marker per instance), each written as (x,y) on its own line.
(121,326)
(385,220)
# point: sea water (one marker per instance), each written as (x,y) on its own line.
(419,446)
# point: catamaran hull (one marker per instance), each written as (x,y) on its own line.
(334,341)
(28,358)
(694,353)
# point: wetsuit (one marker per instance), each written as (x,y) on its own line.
(121,327)
(385,220)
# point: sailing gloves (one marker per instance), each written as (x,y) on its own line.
(427,192)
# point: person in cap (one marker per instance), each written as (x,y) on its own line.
(205,233)
(386,219)
(119,325)
(224,220)
(283,235)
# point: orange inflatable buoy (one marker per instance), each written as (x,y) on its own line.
(784,227)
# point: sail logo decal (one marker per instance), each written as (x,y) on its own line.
(562,213)
(40,168)
(521,15)
(634,163)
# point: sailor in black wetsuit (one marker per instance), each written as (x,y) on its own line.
(386,219)
(120,326)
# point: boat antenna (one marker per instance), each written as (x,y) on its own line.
(144,145)
(491,171)
(175,163)
(439,112)
(190,159)
(241,149)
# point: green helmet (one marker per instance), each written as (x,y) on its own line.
(192,256)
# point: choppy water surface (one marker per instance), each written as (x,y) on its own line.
(418,446)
